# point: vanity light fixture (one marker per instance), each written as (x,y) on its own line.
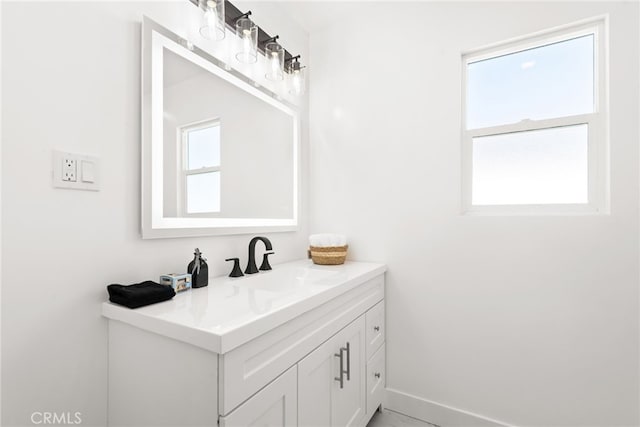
(280,64)
(296,76)
(247,31)
(275,59)
(213,21)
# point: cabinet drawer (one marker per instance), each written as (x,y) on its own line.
(375,328)
(375,380)
(276,405)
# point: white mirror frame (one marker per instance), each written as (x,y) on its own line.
(155,39)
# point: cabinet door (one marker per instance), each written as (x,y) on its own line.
(316,374)
(348,404)
(323,400)
(273,406)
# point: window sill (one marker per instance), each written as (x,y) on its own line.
(535,210)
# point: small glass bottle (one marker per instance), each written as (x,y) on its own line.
(199,270)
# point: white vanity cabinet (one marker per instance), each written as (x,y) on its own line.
(312,360)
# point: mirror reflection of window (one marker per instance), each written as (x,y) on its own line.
(200,147)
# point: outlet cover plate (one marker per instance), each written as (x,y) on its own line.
(61,169)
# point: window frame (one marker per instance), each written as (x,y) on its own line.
(184,172)
(597,122)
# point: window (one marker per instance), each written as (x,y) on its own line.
(534,124)
(200,177)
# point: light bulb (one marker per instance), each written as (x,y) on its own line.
(248,48)
(275,66)
(210,18)
(296,82)
(208,29)
(275,61)
(246,45)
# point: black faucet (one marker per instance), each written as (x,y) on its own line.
(251,265)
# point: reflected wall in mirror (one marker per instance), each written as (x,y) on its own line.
(219,155)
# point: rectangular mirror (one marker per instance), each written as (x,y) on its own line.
(219,154)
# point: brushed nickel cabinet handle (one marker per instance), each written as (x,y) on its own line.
(377,375)
(376,328)
(340,355)
(348,372)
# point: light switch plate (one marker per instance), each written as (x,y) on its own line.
(87,171)
(75,171)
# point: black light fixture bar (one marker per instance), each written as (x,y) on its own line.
(232,14)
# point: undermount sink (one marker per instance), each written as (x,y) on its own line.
(284,279)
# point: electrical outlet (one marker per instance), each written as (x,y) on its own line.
(69,169)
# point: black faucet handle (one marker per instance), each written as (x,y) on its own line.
(265,261)
(237,271)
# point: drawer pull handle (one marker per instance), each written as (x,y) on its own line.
(377,375)
(376,328)
(348,372)
(340,355)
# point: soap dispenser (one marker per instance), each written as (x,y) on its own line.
(199,270)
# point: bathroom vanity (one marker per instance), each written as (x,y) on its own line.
(300,345)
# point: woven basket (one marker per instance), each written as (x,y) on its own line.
(330,255)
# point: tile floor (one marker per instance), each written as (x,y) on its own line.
(388,418)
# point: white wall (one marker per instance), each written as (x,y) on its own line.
(71,81)
(528,320)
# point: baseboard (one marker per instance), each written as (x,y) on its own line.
(436,413)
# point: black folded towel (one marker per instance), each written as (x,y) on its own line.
(140,294)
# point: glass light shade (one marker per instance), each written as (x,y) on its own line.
(275,61)
(247,31)
(213,25)
(296,79)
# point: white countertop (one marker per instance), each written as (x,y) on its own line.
(232,311)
